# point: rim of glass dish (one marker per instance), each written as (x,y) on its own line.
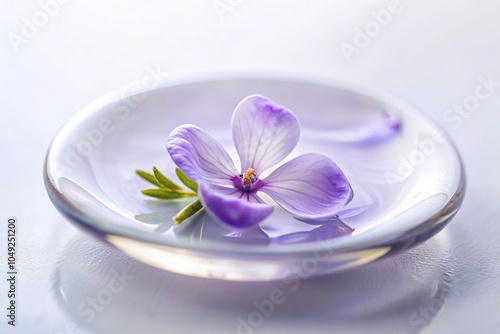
(345,244)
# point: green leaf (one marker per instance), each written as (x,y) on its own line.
(188,211)
(165,181)
(166,194)
(186,180)
(149,177)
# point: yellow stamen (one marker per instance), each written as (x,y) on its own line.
(247,177)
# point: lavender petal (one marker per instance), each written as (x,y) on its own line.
(231,206)
(200,156)
(311,187)
(264,132)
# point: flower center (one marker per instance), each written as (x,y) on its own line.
(247,181)
(249,177)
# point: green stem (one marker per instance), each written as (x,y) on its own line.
(188,211)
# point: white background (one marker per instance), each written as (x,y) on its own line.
(431,53)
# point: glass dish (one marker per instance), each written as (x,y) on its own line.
(407,177)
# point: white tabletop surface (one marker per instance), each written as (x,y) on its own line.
(432,54)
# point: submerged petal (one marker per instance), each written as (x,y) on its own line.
(231,206)
(200,156)
(264,132)
(310,187)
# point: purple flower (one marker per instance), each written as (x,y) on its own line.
(311,187)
